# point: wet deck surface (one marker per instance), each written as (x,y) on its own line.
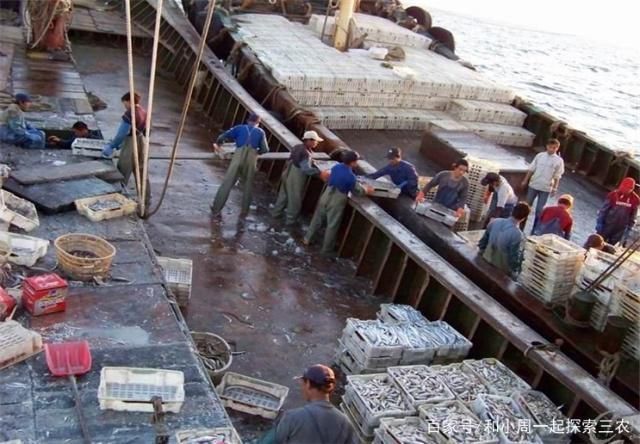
(373,145)
(253,284)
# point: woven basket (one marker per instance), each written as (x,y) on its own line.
(84,268)
(208,341)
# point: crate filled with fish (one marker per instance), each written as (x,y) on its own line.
(391,313)
(411,430)
(596,262)
(420,384)
(251,395)
(374,339)
(512,424)
(218,435)
(381,188)
(377,396)
(352,365)
(457,423)
(543,413)
(437,212)
(107,206)
(89,147)
(497,376)
(364,433)
(465,385)
(453,346)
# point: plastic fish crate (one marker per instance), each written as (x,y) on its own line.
(218,435)
(390,431)
(226,150)
(178,274)
(392,313)
(402,376)
(506,424)
(351,366)
(17,343)
(116,206)
(463,431)
(471,237)
(465,386)
(529,402)
(251,395)
(381,188)
(354,337)
(18,212)
(363,432)
(437,212)
(459,350)
(89,148)
(130,389)
(24,250)
(555,248)
(496,386)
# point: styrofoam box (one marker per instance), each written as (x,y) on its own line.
(131,389)
(25,250)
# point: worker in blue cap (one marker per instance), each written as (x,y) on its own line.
(14,128)
(341,182)
(402,173)
(318,422)
(250,141)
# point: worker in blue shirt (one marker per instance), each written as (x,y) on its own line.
(502,242)
(15,129)
(402,173)
(250,141)
(341,182)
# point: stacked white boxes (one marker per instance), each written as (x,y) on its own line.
(478,168)
(625,302)
(479,111)
(550,267)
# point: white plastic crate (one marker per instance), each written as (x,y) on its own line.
(457,423)
(251,395)
(178,274)
(488,112)
(543,413)
(25,250)
(404,431)
(107,206)
(358,333)
(437,212)
(471,237)
(392,313)
(504,413)
(18,212)
(225,151)
(130,389)
(218,435)
(420,385)
(89,148)
(364,432)
(17,343)
(497,376)
(381,188)
(465,385)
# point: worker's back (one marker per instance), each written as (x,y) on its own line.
(316,423)
(501,245)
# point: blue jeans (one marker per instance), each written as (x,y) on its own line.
(542,196)
(31,138)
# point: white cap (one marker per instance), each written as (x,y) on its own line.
(312,135)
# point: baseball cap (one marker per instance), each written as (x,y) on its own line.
(312,135)
(490,177)
(394,153)
(319,374)
(22,97)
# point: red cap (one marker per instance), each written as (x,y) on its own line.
(626,185)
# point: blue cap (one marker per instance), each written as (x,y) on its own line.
(253,117)
(22,97)
(319,374)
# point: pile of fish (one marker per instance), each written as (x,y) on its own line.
(378,394)
(506,417)
(401,336)
(544,414)
(220,435)
(497,376)
(457,423)
(105,205)
(406,431)
(465,385)
(420,384)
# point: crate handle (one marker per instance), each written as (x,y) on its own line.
(143,371)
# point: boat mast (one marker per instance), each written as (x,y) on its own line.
(341,39)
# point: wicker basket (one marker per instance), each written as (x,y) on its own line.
(84,268)
(209,344)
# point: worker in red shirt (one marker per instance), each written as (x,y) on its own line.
(556,219)
(618,213)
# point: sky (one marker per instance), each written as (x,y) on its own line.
(613,20)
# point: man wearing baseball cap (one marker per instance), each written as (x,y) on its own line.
(503,199)
(250,141)
(299,168)
(15,130)
(318,422)
(402,173)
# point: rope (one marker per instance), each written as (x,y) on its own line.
(134,127)
(185,108)
(152,85)
(271,93)
(608,368)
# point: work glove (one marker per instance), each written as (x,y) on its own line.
(420,197)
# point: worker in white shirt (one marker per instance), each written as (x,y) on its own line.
(503,198)
(543,177)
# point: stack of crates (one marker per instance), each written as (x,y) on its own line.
(550,267)
(624,302)
(480,111)
(478,168)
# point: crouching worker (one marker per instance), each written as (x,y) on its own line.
(342,181)
(556,219)
(318,422)
(15,130)
(501,244)
(80,131)
(123,139)
(250,141)
(299,168)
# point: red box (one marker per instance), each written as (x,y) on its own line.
(6,304)
(44,294)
